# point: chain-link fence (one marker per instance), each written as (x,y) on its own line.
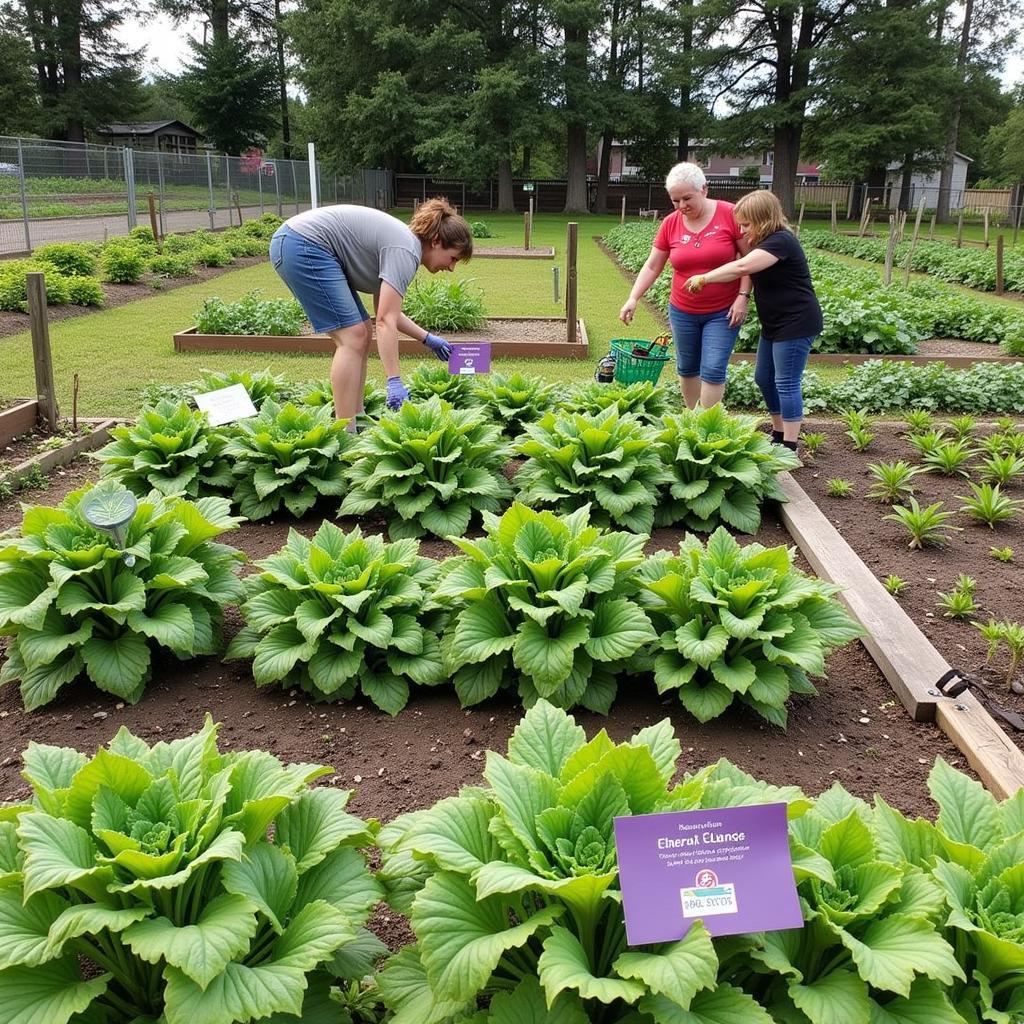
(62,191)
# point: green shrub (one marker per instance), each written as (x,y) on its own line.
(72,259)
(213,256)
(612,462)
(741,392)
(74,605)
(480,229)
(287,455)
(179,263)
(14,288)
(739,623)
(431,380)
(644,400)
(176,244)
(260,384)
(142,234)
(513,401)
(169,449)
(445,303)
(176,883)
(251,314)
(342,613)
(427,467)
(263,226)
(240,244)
(123,263)
(544,603)
(85,291)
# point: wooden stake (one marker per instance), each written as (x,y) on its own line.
(986,227)
(526,230)
(890,249)
(913,242)
(849,201)
(152,219)
(835,224)
(531,215)
(960,230)
(622,216)
(800,219)
(571,234)
(999,265)
(865,217)
(931,229)
(42,357)
(238,207)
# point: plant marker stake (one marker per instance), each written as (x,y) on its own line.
(74,403)
(312,175)
(570,280)
(554,281)
(35,286)
(913,242)
(622,216)
(152,218)
(999,264)
(112,519)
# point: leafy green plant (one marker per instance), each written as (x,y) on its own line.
(170,449)
(919,421)
(950,458)
(855,419)
(430,380)
(860,438)
(214,255)
(894,584)
(173,264)
(427,467)
(989,505)
(609,461)
(857,422)
(1002,469)
(513,401)
(286,455)
(480,229)
(251,314)
(837,487)
(739,623)
(340,613)
(963,427)
(646,401)
(892,480)
(929,442)
(72,259)
(445,303)
(1005,631)
(722,467)
(76,601)
(813,443)
(85,291)
(957,603)
(260,384)
(545,603)
(928,525)
(143,886)
(1001,554)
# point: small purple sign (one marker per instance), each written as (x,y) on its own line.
(730,867)
(470,359)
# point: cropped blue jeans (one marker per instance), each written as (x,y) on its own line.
(778,372)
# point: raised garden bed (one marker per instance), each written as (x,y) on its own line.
(19,418)
(528,337)
(511,252)
(37,453)
(954,353)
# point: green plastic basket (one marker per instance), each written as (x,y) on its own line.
(630,368)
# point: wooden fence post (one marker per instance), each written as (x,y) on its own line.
(999,265)
(986,227)
(835,225)
(36,287)
(526,230)
(865,218)
(531,215)
(152,218)
(913,242)
(570,281)
(960,230)
(849,201)
(622,216)
(800,219)
(931,229)
(890,249)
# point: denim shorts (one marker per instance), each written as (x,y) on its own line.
(317,280)
(704,342)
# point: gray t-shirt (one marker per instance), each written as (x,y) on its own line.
(371,246)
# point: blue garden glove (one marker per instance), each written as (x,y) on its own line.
(397,393)
(438,346)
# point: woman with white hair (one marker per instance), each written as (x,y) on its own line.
(700,235)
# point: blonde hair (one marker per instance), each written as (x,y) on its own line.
(685,173)
(763,213)
(436,218)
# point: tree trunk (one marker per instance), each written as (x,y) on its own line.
(686,86)
(786,156)
(219,14)
(527,156)
(576,46)
(601,200)
(69,28)
(576,152)
(906,199)
(953,132)
(286,135)
(506,192)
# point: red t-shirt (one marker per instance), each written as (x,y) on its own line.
(698,253)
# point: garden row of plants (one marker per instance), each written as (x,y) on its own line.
(176,883)
(973,267)
(74,271)
(860,313)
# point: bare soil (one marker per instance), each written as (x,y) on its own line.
(13,322)
(855,732)
(36,442)
(883,546)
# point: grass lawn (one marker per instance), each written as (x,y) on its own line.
(116,352)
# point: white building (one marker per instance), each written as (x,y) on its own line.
(927,184)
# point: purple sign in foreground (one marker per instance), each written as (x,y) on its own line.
(470,358)
(728,866)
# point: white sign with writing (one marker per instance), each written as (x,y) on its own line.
(226,404)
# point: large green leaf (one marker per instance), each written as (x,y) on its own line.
(24,927)
(725,1005)
(404,986)
(837,998)
(312,935)
(526,1004)
(619,628)
(168,624)
(679,971)
(267,877)
(463,938)
(50,993)
(926,1004)
(548,658)
(58,852)
(342,880)
(278,652)
(238,995)
(118,665)
(482,630)
(91,919)
(545,739)
(201,950)
(563,966)
(314,824)
(522,793)
(967,811)
(455,833)
(50,768)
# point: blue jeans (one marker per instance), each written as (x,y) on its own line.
(317,280)
(780,365)
(703,343)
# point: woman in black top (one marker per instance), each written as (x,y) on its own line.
(786,305)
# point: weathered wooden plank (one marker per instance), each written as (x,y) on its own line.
(990,752)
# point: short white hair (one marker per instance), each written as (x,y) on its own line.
(685,173)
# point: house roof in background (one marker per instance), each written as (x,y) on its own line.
(141,127)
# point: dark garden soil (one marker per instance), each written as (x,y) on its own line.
(883,546)
(535,252)
(36,442)
(118,294)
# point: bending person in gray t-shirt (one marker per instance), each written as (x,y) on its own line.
(327,256)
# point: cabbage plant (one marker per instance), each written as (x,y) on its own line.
(76,601)
(139,886)
(739,623)
(513,401)
(646,401)
(722,468)
(341,613)
(545,603)
(427,467)
(612,462)
(287,455)
(169,449)
(432,379)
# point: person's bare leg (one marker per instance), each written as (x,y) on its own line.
(348,370)
(690,389)
(711,394)
(791,430)
(777,422)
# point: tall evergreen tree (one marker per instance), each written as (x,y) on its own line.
(19,98)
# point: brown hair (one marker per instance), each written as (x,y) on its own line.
(436,218)
(763,213)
